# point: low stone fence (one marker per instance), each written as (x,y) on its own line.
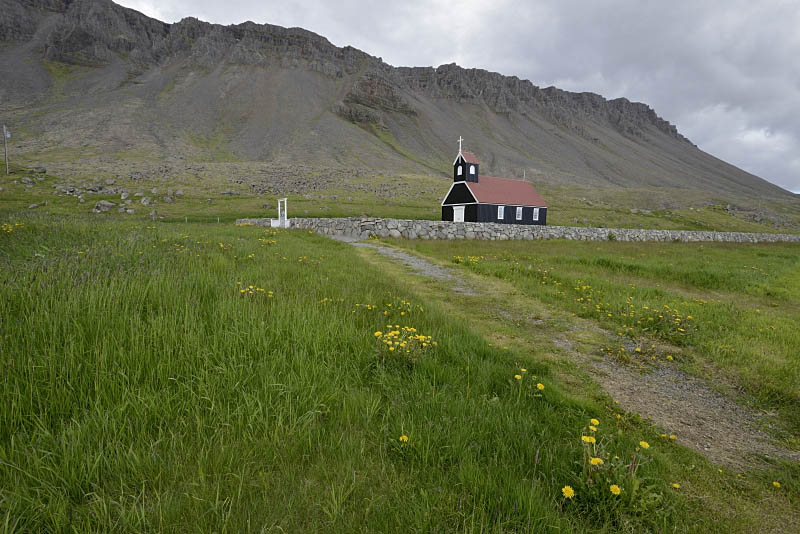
(364,227)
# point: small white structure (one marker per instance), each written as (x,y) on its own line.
(282,221)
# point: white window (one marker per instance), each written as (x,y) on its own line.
(458,213)
(535,214)
(519,214)
(472,169)
(500,212)
(458,172)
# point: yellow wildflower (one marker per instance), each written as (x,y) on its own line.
(568,492)
(776,484)
(588,439)
(593,428)
(644,445)
(378,333)
(594,421)
(672,436)
(676,485)
(596,461)
(524,370)
(540,386)
(518,377)
(614,489)
(403,438)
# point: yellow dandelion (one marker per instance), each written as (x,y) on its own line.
(540,386)
(403,438)
(378,333)
(524,370)
(663,436)
(673,436)
(593,428)
(614,489)
(670,358)
(588,439)
(594,421)
(676,485)
(776,484)
(596,461)
(518,377)
(644,445)
(568,492)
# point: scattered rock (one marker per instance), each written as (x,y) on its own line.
(27,181)
(208,201)
(39,170)
(153,213)
(130,211)
(124,195)
(110,181)
(33,206)
(229,192)
(168,200)
(154,191)
(103,205)
(179,193)
(146,201)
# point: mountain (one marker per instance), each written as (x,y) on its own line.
(94,82)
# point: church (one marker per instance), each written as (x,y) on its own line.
(476,198)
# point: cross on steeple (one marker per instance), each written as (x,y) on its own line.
(459,144)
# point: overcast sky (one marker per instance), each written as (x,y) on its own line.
(725,72)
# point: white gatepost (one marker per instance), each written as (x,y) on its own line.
(282,221)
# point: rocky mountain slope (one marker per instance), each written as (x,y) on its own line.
(91,81)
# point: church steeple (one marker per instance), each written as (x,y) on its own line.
(465,166)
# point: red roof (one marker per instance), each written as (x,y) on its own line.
(469,157)
(493,190)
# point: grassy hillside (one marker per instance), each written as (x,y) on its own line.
(198,377)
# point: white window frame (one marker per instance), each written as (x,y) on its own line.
(535,214)
(460,168)
(472,169)
(460,210)
(519,213)
(501,212)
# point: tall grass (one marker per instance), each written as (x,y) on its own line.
(147,386)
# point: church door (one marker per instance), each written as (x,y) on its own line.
(458,213)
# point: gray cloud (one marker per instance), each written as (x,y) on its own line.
(726,72)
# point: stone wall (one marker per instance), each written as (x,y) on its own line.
(364,227)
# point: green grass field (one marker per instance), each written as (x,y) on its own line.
(725,308)
(179,377)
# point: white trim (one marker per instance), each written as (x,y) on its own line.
(460,203)
(536,214)
(472,168)
(518,215)
(460,168)
(460,208)
(501,212)
(459,156)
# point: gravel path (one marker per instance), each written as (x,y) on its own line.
(703,419)
(422,267)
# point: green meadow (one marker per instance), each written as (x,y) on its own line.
(179,377)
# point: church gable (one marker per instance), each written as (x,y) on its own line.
(459,194)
